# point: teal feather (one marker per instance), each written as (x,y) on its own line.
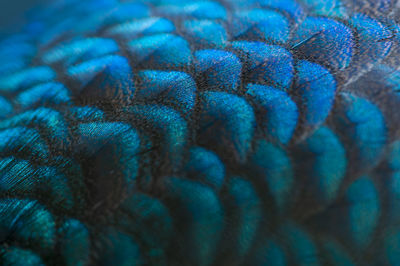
(201,132)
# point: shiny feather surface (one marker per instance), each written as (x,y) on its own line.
(201,133)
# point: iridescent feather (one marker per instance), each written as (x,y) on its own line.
(201,133)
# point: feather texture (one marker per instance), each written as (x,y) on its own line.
(201,132)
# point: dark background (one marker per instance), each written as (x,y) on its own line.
(13,11)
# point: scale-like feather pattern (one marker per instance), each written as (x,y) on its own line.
(201,132)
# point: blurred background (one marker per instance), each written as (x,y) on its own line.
(13,11)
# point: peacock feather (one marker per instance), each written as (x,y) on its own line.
(201,133)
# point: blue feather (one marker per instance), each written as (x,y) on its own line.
(201,132)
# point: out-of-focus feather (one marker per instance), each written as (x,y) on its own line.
(201,132)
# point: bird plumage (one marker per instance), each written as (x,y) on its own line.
(201,132)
